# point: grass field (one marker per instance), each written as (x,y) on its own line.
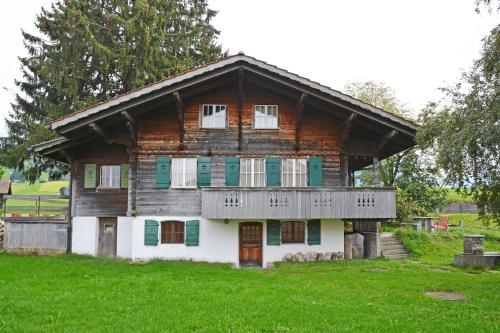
(81,294)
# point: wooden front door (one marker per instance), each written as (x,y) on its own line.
(107,236)
(251,244)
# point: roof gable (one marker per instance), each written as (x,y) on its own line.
(240,61)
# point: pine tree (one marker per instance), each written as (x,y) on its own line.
(90,50)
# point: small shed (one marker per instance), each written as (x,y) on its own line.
(5,189)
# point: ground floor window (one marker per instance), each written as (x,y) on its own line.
(172,232)
(292,232)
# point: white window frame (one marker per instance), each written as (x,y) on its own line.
(253,172)
(182,165)
(298,178)
(266,120)
(109,176)
(210,123)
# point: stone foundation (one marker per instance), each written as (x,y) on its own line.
(473,244)
(313,256)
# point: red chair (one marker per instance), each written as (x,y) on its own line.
(442,223)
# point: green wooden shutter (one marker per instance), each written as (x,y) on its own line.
(315,171)
(314,232)
(192,232)
(273,171)
(162,172)
(204,171)
(124,176)
(232,171)
(273,232)
(151,233)
(90,180)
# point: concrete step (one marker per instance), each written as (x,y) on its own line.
(394,252)
(392,247)
(390,242)
(396,256)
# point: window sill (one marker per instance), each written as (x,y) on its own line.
(109,189)
(214,128)
(183,188)
(266,128)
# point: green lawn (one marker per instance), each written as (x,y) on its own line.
(81,294)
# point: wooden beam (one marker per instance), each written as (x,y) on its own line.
(69,157)
(129,117)
(131,126)
(299,107)
(98,129)
(132,132)
(241,74)
(385,139)
(348,121)
(180,117)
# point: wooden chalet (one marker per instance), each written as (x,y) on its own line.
(237,161)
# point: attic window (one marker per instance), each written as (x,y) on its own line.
(266,117)
(213,116)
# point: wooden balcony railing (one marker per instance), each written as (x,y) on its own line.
(307,203)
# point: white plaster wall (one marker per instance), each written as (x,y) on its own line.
(332,240)
(124,237)
(85,233)
(218,242)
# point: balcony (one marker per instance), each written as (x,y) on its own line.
(306,203)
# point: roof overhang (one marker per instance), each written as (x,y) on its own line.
(166,87)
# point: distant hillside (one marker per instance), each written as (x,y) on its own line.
(38,188)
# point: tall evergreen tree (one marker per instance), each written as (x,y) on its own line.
(90,50)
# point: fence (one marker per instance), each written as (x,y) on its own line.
(35,207)
(35,224)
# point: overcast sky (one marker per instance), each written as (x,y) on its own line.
(413,46)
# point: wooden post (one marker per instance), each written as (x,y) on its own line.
(376,171)
(298,119)
(180,118)
(344,172)
(241,73)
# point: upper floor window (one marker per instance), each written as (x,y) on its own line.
(184,172)
(110,176)
(253,172)
(294,172)
(213,116)
(172,232)
(266,116)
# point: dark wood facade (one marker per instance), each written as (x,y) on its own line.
(170,125)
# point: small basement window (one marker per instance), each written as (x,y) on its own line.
(172,232)
(292,232)
(110,176)
(213,116)
(266,117)
(184,172)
